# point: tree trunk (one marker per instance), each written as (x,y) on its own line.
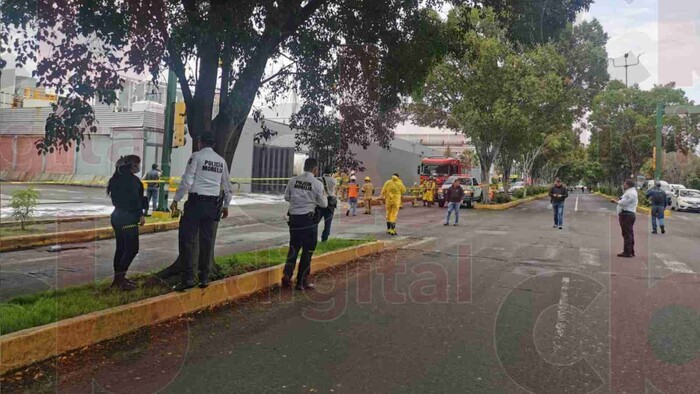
(485,163)
(228,125)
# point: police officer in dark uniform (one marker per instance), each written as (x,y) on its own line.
(306,200)
(126,192)
(205,177)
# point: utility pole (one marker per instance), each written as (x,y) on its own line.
(660,108)
(167,140)
(627,66)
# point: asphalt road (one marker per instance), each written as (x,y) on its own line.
(59,200)
(502,304)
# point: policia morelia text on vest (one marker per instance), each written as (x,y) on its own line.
(207,183)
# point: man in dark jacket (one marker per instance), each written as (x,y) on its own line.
(558,193)
(454,196)
(657,197)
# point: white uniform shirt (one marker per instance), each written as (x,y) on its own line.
(628,202)
(304,193)
(331,185)
(206,174)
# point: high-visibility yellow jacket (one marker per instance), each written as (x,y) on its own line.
(367,190)
(393,190)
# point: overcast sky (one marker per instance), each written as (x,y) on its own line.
(663,35)
(668,39)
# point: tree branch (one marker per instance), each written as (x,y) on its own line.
(296,18)
(179,70)
(279,73)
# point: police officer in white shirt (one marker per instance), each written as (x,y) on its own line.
(306,198)
(626,210)
(205,177)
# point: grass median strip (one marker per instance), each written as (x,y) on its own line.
(35,310)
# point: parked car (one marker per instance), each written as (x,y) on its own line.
(472,190)
(686,200)
(676,186)
(517,185)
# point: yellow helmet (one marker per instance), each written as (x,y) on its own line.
(367,179)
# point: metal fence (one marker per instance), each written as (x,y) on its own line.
(272,166)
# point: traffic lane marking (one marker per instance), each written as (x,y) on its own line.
(672,264)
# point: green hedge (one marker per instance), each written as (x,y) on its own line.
(610,190)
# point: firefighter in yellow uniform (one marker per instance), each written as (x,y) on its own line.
(429,195)
(367,193)
(421,190)
(392,193)
(416,192)
(344,181)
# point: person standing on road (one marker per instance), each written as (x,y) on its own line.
(329,188)
(367,193)
(558,194)
(206,175)
(152,177)
(429,196)
(344,180)
(454,197)
(657,197)
(626,210)
(392,192)
(306,198)
(353,194)
(126,192)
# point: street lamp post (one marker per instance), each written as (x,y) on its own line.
(627,66)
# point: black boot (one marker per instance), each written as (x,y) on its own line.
(121,283)
(663,229)
(388,227)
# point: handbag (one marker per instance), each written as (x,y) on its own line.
(332,200)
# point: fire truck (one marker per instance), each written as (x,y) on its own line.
(440,167)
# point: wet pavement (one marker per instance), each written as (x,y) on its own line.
(502,304)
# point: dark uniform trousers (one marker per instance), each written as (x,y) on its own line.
(303,236)
(198,221)
(126,232)
(627,220)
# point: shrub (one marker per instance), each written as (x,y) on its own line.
(694,183)
(518,193)
(643,200)
(500,198)
(23,203)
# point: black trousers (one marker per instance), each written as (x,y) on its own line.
(327,221)
(627,220)
(126,233)
(197,223)
(303,236)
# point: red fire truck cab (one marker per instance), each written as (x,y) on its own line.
(440,167)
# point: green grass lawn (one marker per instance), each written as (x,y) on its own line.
(16,230)
(47,307)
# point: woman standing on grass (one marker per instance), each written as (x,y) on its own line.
(126,191)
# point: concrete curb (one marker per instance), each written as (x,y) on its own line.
(78,236)
(640,209)
(509,205)
(23,348)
